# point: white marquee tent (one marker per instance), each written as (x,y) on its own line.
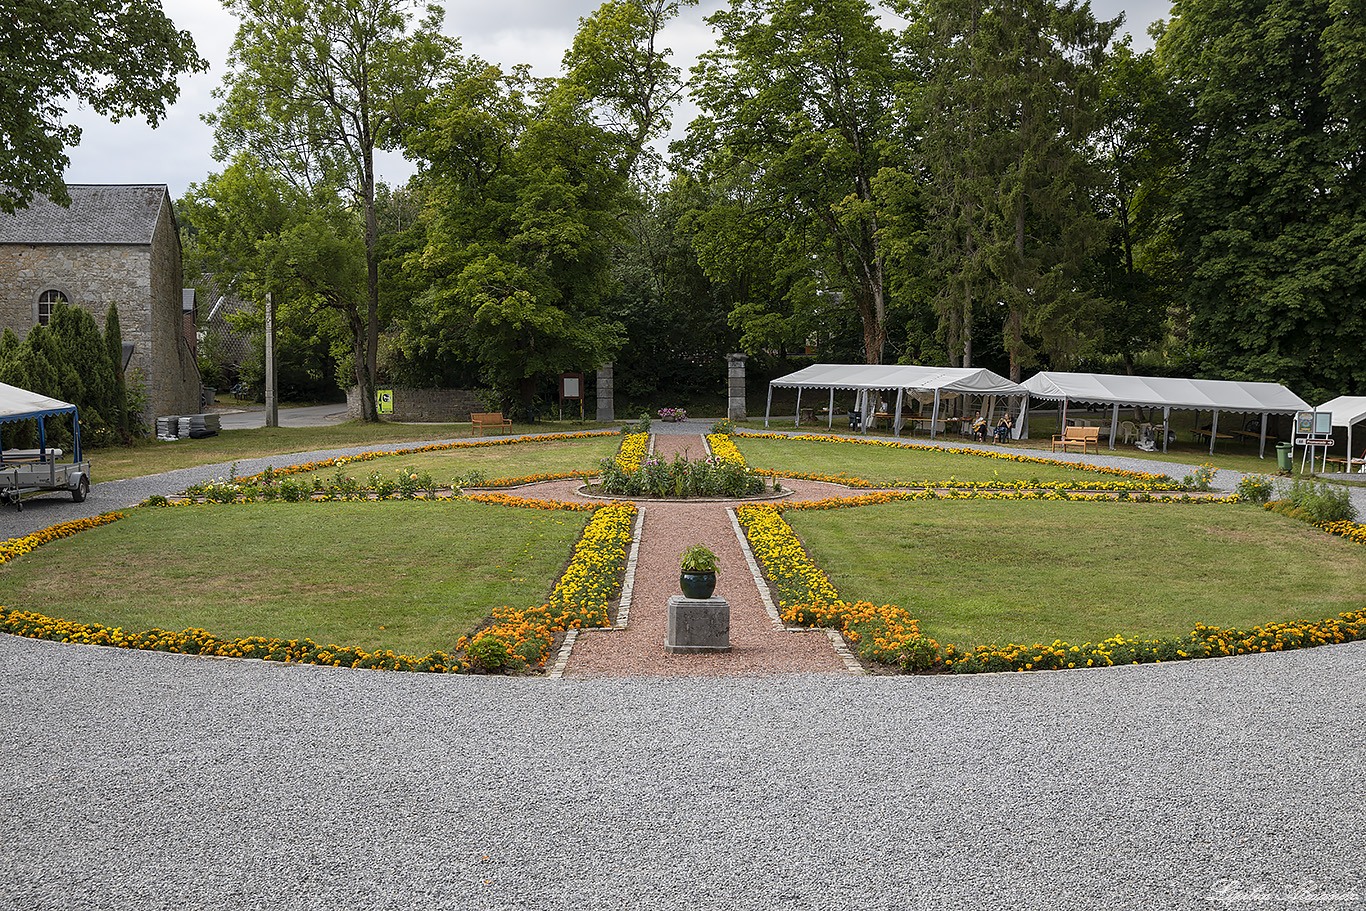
(863,379)
(1167,393)
(1347,410)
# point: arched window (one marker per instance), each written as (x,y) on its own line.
(46,301)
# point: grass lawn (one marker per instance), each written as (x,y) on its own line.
(409,576)
(153,456)
(1229,455)
(515,460)
(978,572)
(885,464)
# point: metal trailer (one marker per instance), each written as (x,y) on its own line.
(43,473)
(28,471)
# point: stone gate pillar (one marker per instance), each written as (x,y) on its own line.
(735,364)
(606,408)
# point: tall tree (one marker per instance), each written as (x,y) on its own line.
(121,57)
(799,94)
(1007,109)
(617,64)
(315,88)
(259,235)
(1270,204)
(524,201)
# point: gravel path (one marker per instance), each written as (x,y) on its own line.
(136,780)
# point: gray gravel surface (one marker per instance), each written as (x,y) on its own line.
(137,780)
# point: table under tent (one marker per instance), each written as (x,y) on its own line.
(1167,393)
(930,386)
(25,471)
(1347,410)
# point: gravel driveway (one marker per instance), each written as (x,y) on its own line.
(135,780)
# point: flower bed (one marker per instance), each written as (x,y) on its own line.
(522,638)
(888,634)
(516,639)
(199,642)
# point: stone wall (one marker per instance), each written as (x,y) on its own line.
(145,283)
(422,406)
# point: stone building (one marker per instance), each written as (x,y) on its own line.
(115,244)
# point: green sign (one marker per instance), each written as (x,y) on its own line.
(384,398)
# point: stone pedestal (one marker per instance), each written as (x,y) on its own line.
(697,625)
(735,385)
(606,409)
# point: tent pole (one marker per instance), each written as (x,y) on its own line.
(1349,448)
(831,409)
(1213,429)
(797,418)
(1062,418)
(1021,431)
(896,421)
(769,409)
(1114,425)
(1261,449)
(934,415)
(1166,425)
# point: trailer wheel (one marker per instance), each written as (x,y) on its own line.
(78,493)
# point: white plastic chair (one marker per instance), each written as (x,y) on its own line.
(1129,429)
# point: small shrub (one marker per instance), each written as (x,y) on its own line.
(1320,501)
(725,426)
(490,653)
(1255,488)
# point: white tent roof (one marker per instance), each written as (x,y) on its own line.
(969,380)
(16,403)
(1346,409)
(1168,392)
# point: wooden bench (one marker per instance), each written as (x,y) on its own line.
(491,419)
(1078,436)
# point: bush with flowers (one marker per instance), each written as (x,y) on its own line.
(672,414)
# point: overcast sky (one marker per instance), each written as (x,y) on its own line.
(538,32)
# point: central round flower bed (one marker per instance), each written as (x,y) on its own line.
(710,478)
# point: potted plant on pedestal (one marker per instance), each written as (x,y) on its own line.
(698,576)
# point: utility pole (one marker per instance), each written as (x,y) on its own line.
(272,391)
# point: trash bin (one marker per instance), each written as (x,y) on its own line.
(1285,456)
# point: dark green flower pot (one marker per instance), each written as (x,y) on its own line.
(697,584)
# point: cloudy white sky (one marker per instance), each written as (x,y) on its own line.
(538,32)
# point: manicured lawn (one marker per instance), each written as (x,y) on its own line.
(153,457)
(514,460)
(1229,455)
(409,576)
(978,572)
(886,464)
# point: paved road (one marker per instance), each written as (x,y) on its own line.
(254,416)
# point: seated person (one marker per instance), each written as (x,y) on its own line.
(979,428)
(1003,429)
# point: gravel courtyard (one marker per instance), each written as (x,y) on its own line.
(136,780)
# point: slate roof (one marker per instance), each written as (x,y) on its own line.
(99,214)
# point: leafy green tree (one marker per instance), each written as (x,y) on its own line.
(113,342)
(257,234)
(315,88)
(524,200)
(615,63)
(1269,206)
(1006,107)
(120,57)
(797,104)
